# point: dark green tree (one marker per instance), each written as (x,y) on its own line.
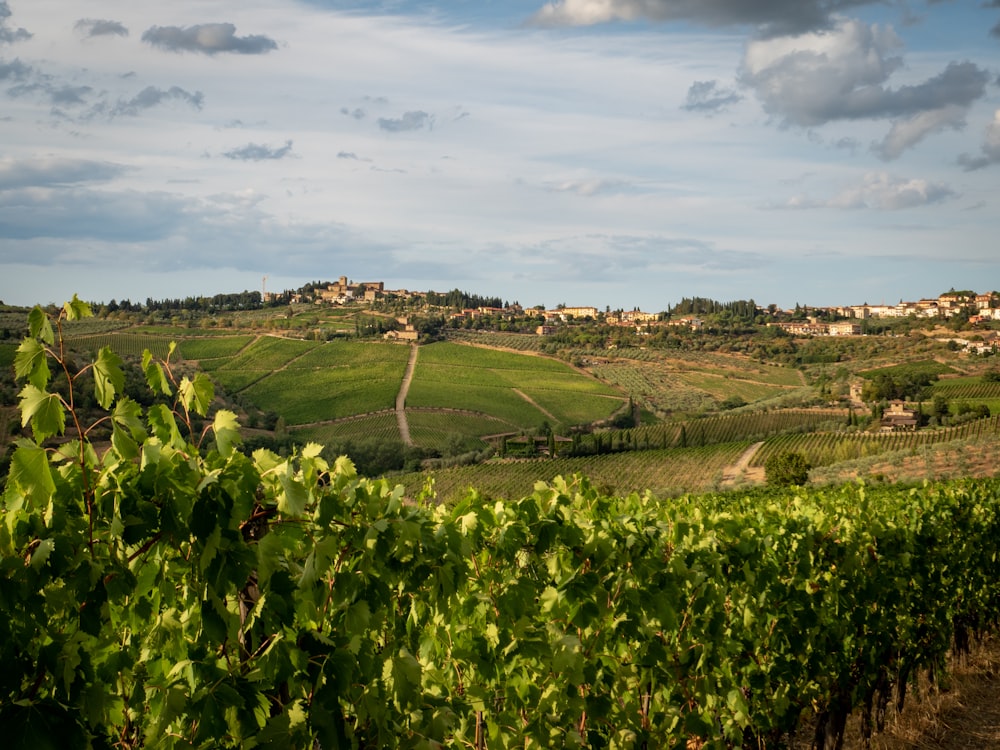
(787,469)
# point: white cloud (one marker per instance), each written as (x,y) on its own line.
(908,132)
(990,149)
(843,74)
(879,191)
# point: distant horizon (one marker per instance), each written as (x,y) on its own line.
(392,286)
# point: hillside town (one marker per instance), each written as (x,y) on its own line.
(848,320)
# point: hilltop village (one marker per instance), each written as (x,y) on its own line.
(959,309)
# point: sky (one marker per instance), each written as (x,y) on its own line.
(614,153)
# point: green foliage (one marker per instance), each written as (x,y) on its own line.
(172,592)
(787,469)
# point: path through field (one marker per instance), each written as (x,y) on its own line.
(404,388)
(531,401)
(731,474)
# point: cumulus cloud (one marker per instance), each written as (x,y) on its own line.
(990,150)
(93,27)
(10,35)
(842,74)
(152,96)
(357,113)
(409,121)
(259,152)
(207,38)
(709,96)
(772,17)
(880,191)
(54,171)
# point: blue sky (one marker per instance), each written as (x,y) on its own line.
(621,153)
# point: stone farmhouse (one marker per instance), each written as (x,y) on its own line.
(898,418)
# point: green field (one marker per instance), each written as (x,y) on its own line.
(214,348)
(306,396)
(373,427)
(436,429)
(523,391)
(268,353)
(929,366)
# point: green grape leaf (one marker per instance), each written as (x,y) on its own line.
(39,326)
(164,426)
(44,411)
(197,394)
(156,378)
(42,552)
(128,414)
(293,498)
(108,377)
(405,671)
(77,309)
(32,362)
(227,432)
(123,443)
(30,471)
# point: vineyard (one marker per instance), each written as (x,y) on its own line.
(666,473)
(972,457)
(724,428)
(822,449)
(383,427)
(967,389)
(436,429)
(125,344)
(174,592)
(686,383)
(520,342)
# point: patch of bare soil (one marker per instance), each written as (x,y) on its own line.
(961,712)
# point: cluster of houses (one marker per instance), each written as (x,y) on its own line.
(982,306)
(979,307)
